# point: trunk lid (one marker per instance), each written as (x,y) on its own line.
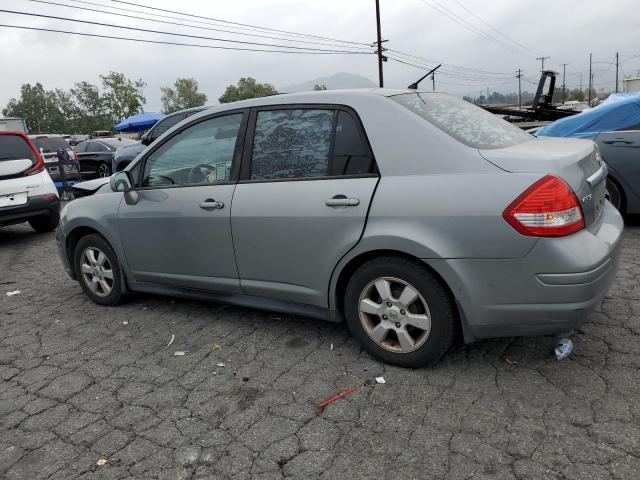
(576,161)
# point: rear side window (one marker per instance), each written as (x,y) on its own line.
(350,152)
(467,123)
(165,124)
(82,147)
(14,147)
(292,144)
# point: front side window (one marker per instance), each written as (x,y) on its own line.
(165,124)
(292,144)
(199,155)
(464,121)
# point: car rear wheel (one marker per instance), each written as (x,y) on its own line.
(98,270)
(400,312)
(104,170)
(44,224)
(614,195)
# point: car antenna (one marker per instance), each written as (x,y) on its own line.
(414,85)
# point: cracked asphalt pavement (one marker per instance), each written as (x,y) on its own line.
(82,383)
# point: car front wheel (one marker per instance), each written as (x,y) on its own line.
(400,312)
(104,170)
(98,270)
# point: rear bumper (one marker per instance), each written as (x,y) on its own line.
(549,291)
(36,206)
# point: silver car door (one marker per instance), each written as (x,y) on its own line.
(308,179)
(621,151)
(178,232)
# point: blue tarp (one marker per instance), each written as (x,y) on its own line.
(141,121)
(618,111)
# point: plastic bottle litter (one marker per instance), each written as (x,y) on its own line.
(563,349)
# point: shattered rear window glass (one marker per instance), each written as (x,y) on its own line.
(464,121)
(291,144)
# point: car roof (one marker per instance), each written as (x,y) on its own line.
(186,110)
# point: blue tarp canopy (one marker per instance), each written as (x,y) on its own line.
(141,121)
(618,111)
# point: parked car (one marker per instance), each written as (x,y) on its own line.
(76,139)
(96,155)
(615,126)
(125,154)
(412,215)
(27,193)
(48,146)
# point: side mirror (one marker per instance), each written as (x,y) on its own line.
(145,139)
(121,182)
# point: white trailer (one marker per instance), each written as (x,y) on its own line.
(13,124)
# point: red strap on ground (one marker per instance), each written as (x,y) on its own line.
(340,395)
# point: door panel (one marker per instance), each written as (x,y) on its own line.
(621,150)
(168,238)
(288,240)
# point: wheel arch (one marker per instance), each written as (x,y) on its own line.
(613,177)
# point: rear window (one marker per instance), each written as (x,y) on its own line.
(467,123)
(50,144)
(13,147)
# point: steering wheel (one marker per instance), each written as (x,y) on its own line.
(198,170)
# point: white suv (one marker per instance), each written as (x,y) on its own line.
(27,193)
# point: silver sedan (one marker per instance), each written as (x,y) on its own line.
(412,216)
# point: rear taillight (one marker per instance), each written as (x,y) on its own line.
(548,208)
(37,167)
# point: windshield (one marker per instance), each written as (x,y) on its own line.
(464,121)
(50,144)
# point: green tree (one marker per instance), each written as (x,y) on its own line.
(122,97)
(90,109)
(38,106)
(247,88)
(185,94)
(576,94)
(318,87)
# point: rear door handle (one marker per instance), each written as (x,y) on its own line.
(342,201)
(618,140)
(211,204)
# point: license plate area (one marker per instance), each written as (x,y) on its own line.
(13,199)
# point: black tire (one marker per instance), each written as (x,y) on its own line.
(615,195)
(443,312)
(96,241)
(45,224)
(103,170)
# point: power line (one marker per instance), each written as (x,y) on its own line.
(469,26)
(314,42)
(230,22)
(448,72)
(492,28)
(146,30)
(180,44)
(451,65)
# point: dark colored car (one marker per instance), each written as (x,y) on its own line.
(126,154)
(96,155)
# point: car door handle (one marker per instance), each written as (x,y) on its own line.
(617,140)
(342,201)
(211,204)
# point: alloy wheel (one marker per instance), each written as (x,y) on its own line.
(103,170)
(96,271)
(394,315)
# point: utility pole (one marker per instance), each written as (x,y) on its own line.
(580,75)
(542,59)
(381,57)
(617,69)
(519,76)
(564,83)
(433,80)
(590,78)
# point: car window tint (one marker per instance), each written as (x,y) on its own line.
(291,144)
(464,121)
(14,147)
(165,124)
(99,147)
(350,153)
(199,155)
(50,144)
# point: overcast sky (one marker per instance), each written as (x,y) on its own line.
(565,30)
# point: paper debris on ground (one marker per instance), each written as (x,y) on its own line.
(331,347)
(101,462)
(125,322)
(216,347)
(509,361)
(181,353)
(380,380)
(220,364)
(563,348)
(173,337)
(13,292)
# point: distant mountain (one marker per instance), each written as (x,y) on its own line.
(332,82)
